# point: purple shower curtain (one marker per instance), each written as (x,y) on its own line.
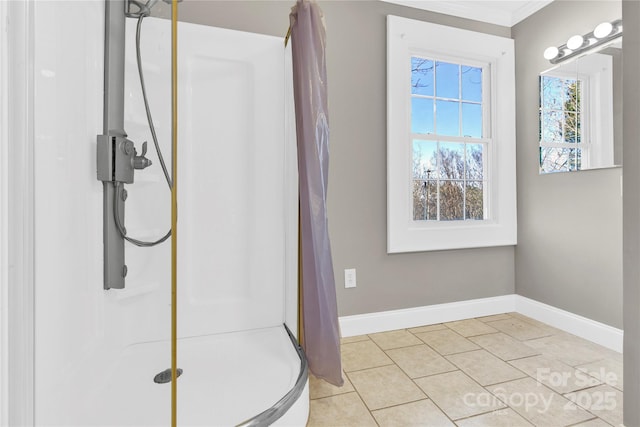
(321,336)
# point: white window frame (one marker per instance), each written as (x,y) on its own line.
(407,38)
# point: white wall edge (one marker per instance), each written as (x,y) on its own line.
(594,331)
(583,327)
(4,217)
(16,215)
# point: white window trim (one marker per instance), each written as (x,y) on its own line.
(407,37)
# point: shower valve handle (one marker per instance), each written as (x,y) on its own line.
(141,162)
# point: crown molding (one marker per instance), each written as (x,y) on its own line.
(504,13)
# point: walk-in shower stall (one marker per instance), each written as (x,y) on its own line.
(97,351)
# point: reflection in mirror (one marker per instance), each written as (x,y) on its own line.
(580,112)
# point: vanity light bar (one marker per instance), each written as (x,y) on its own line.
(577,45)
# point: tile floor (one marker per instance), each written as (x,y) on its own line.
(502,370)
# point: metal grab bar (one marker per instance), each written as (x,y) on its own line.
(272,414)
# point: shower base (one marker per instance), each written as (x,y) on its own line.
(226,379)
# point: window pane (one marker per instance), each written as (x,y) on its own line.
(474,200)
(575,158)
(424,159)
(425,200)
(451,201)
(421,76)
(474,162)
(448,118)
(447,80)
(421,115)
(451,161)
(471,83)
(551,92)
(472,120)
(552,126)
(571,95)
(560,159)
(570,126)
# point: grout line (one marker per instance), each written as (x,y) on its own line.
(585,421)
(488,412)
(370,368)
(438,373)
(522,358)
(401,404)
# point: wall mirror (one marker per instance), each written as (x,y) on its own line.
(581,110)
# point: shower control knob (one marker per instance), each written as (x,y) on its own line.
(141,162)
(127,147)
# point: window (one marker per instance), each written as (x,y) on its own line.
(576,115)
(561,118)
(451,138)
(447,115)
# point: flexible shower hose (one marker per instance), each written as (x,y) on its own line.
(119,187)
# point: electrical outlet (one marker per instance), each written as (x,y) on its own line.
(350,278)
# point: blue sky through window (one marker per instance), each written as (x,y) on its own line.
(454,108)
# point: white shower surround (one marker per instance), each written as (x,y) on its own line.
(90,342)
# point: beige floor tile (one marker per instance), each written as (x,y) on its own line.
(554,374)
(550,329)
(341,410)
(458,395)
(596,422)
(446,341)
(420,413)
(484,367)
(427,328)
(603,401)
(356,338)
(385,386)
(319,388)
(504,346)
(493,317)
(420,361)
(519,329)
(538,404)
(501,418)
(569,349)
(470,327)
(363,355)
(607,371)
(394,339)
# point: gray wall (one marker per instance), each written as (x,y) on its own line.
(569,251)
(631,47)
(356,61)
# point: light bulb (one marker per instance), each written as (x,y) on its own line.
(575,42)
(551,52)
(603,30)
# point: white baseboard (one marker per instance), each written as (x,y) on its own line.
(583,327)
(594,331)
(370,323)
